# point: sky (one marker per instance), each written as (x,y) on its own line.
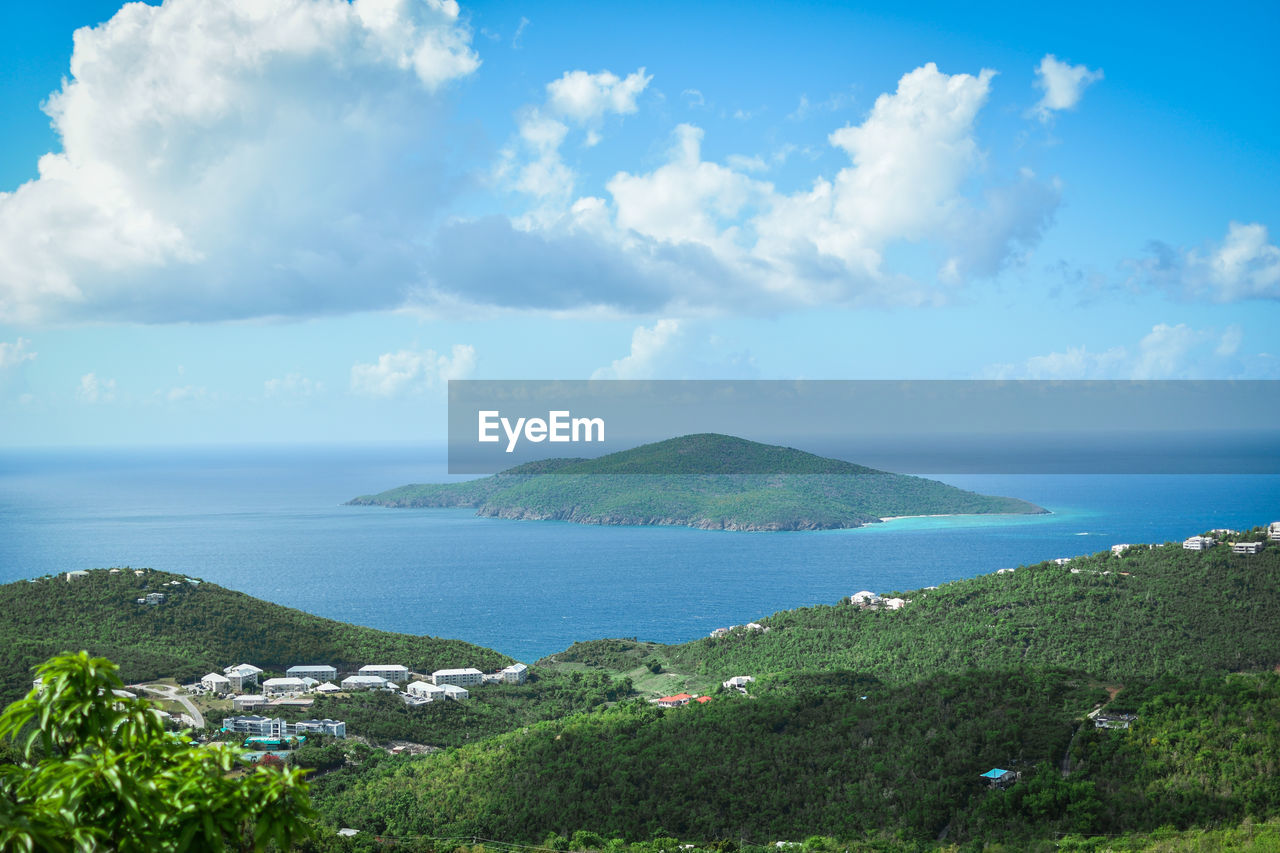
(263,221)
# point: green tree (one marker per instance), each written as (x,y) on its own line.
(96,770)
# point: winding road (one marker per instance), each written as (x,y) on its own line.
(169,692)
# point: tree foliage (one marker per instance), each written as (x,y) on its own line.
(95,770)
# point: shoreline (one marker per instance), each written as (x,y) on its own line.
(963,515)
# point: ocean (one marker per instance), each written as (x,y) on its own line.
(269,522)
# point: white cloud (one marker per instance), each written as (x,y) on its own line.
(1245,265)
(587,98)
(13,354)
(647,349)
(236,159)
(292,386)
(534,165)
(1166,352)
(94,390)
(409,371)
(693,236)
(679,349)
(1063,85)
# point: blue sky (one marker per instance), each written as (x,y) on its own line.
(287,220)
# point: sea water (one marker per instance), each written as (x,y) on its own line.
(270,522)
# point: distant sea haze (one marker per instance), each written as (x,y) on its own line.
(269,522)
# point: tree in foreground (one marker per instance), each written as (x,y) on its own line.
(95,770)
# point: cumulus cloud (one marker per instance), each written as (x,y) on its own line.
(236,159)
(1166,352)
(13,354)
(1245,265)
(678,349)
(1063,85)
(411,371)
(533,163)
(94,390)
(587,98)
(694,236)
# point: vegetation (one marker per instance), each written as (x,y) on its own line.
(94,770)
(847,756)
(1151,612)
(199,628)
(381,717)
(710,481)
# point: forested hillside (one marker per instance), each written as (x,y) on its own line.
(199,627)
(1147,613)
(844,755)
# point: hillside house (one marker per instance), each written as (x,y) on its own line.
(76,575)
(336,728)
(675,701)
(244,703)
(1199,543)
(517,673)
(738,682)
(152,598)
(257,725)
(425,690)
(454,692)
(390,672)
(363,682)
(459,677)
(283,686)
(319,672)
(719,632)
(865,598)
(216,683)
(1247,547)
(1273,531)
(327,687)
(1117,550)
(242,676)
(999,778)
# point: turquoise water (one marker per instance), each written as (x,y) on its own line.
(269,522)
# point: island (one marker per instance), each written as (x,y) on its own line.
(708,481)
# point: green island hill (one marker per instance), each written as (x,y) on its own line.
(708,481)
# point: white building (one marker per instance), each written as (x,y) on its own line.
(897,603)
(244,703)
(866,598)
(337,728)
(283,686)
(152,598)
(517,673)
(1117,550)
(720,632)
(1273,531)
(454,692)
(390,672)
(1247,548)
(76,575)
(363,682)
(738,682)
(319,672)
(1061,561)
(459,677)
(328,687)
(242,676)
(1199,543)
(426,690)
(255,724)
(216,683)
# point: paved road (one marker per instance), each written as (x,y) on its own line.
(169,692)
